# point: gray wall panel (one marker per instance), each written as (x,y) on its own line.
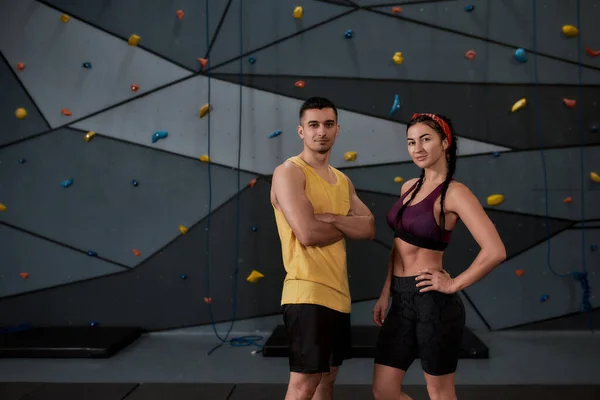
(14,97)
(48,264)
(54,52)
(478,111)
(102,211)
(276,21)
(506,300)
(510,22)
(155,22)
(429,55)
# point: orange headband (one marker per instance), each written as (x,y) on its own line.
(440,122)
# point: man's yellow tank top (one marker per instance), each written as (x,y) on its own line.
(316,275)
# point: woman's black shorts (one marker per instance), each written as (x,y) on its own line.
(426,325)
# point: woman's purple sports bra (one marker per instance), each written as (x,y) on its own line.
(418,225)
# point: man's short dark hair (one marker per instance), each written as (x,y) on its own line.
(317,103)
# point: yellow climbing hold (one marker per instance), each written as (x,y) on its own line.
(65,18)
(519,104)
(183,229)
(298,12)
(21,113)
(398,179)
(495,199)
(89,136)
(595,177)
(204,110)
(254,276)
(350,156)
(134,40)
(2,207)
(398,58)
(570,31)
(204,158)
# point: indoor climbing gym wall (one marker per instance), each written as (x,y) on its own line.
(137,141)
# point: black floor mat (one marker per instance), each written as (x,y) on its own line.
(17,390)
(81,391)
(182,391)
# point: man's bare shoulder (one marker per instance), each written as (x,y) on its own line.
(287,170)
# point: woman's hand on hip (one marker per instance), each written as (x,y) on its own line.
(432,279)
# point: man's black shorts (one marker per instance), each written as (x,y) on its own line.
(319,337)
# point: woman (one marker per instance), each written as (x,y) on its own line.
(427,316)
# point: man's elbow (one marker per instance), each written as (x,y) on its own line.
(372,230)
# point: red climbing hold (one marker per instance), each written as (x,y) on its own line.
(253,182)
(136,252)
(396,10)
(592,53)
(203,62)
(569,102)
(20,66)
(520,272)
(24,275)
(66,112)
(299,84)
(134,87)
(208,300)
(470,54)
(568,200)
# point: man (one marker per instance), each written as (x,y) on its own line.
(316,208)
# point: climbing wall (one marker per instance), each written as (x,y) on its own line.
(137,140)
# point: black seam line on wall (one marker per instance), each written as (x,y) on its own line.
(64,245)
(348,3)
(233,388)
(105,109)
(135,144)
(587,228)
(25,90)
(448,30)
(283,39)
(541,321)
(87,22)
(214,38)
(397,3)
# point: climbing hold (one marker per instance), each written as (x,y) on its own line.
(24,275)
(496,154)
(159,135)
(2,207)
(20,66)
(298,12)
(299,84)
(208,300)
(398,179)
(254,228)
(134,183)
(593,247)
(134,87)
(595,177)
(469,8)
(136,252)
(395,106)
(569,102)
(65,18)
(495,199)
(568,200)
(183,276)
(592,53)
(519,104)
(254,276)
(520,272)
(570,31)
(87,65)
(93,324)
(183,229)
(66,183)
(66,112)
(92,253)
(21,113)
(253,182)
(470,54)
(544,298)
(520,55)
(203,62)
(89,136)
(252,60)
(350,156)
(22,161)
(349,34)
(204,158)
(594,129)
(134,40)
(205,109)
(274,134)
(180,14)
(396,10)
(398,58)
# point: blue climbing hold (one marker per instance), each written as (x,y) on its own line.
(496,154)
(349,34)
(254,228)
(544,298)
(395,106)
(594,129)
(22,161)
(520,55)
(251,60)
(593,247)
(183,276)
(469,8)
(134,182)
(274,134)
(67,183)
(92,253)
(159,135)
(93,324)
(87,65)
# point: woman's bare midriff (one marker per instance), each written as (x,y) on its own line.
(409,259)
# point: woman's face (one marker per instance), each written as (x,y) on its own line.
(425,145)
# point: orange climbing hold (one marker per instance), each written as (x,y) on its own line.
(136,252)
(299,84)
(24,275)
(520,272)
(208,300)
(66,112)
(180,14)
(253,182)
(203,62)
(470,54)
(568,200)
(134,87)
(592,53)
(570,102)
(20,66)
(396,10)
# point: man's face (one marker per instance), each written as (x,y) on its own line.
(319,129)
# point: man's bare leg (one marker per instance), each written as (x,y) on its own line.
(325,389)
(302,386)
